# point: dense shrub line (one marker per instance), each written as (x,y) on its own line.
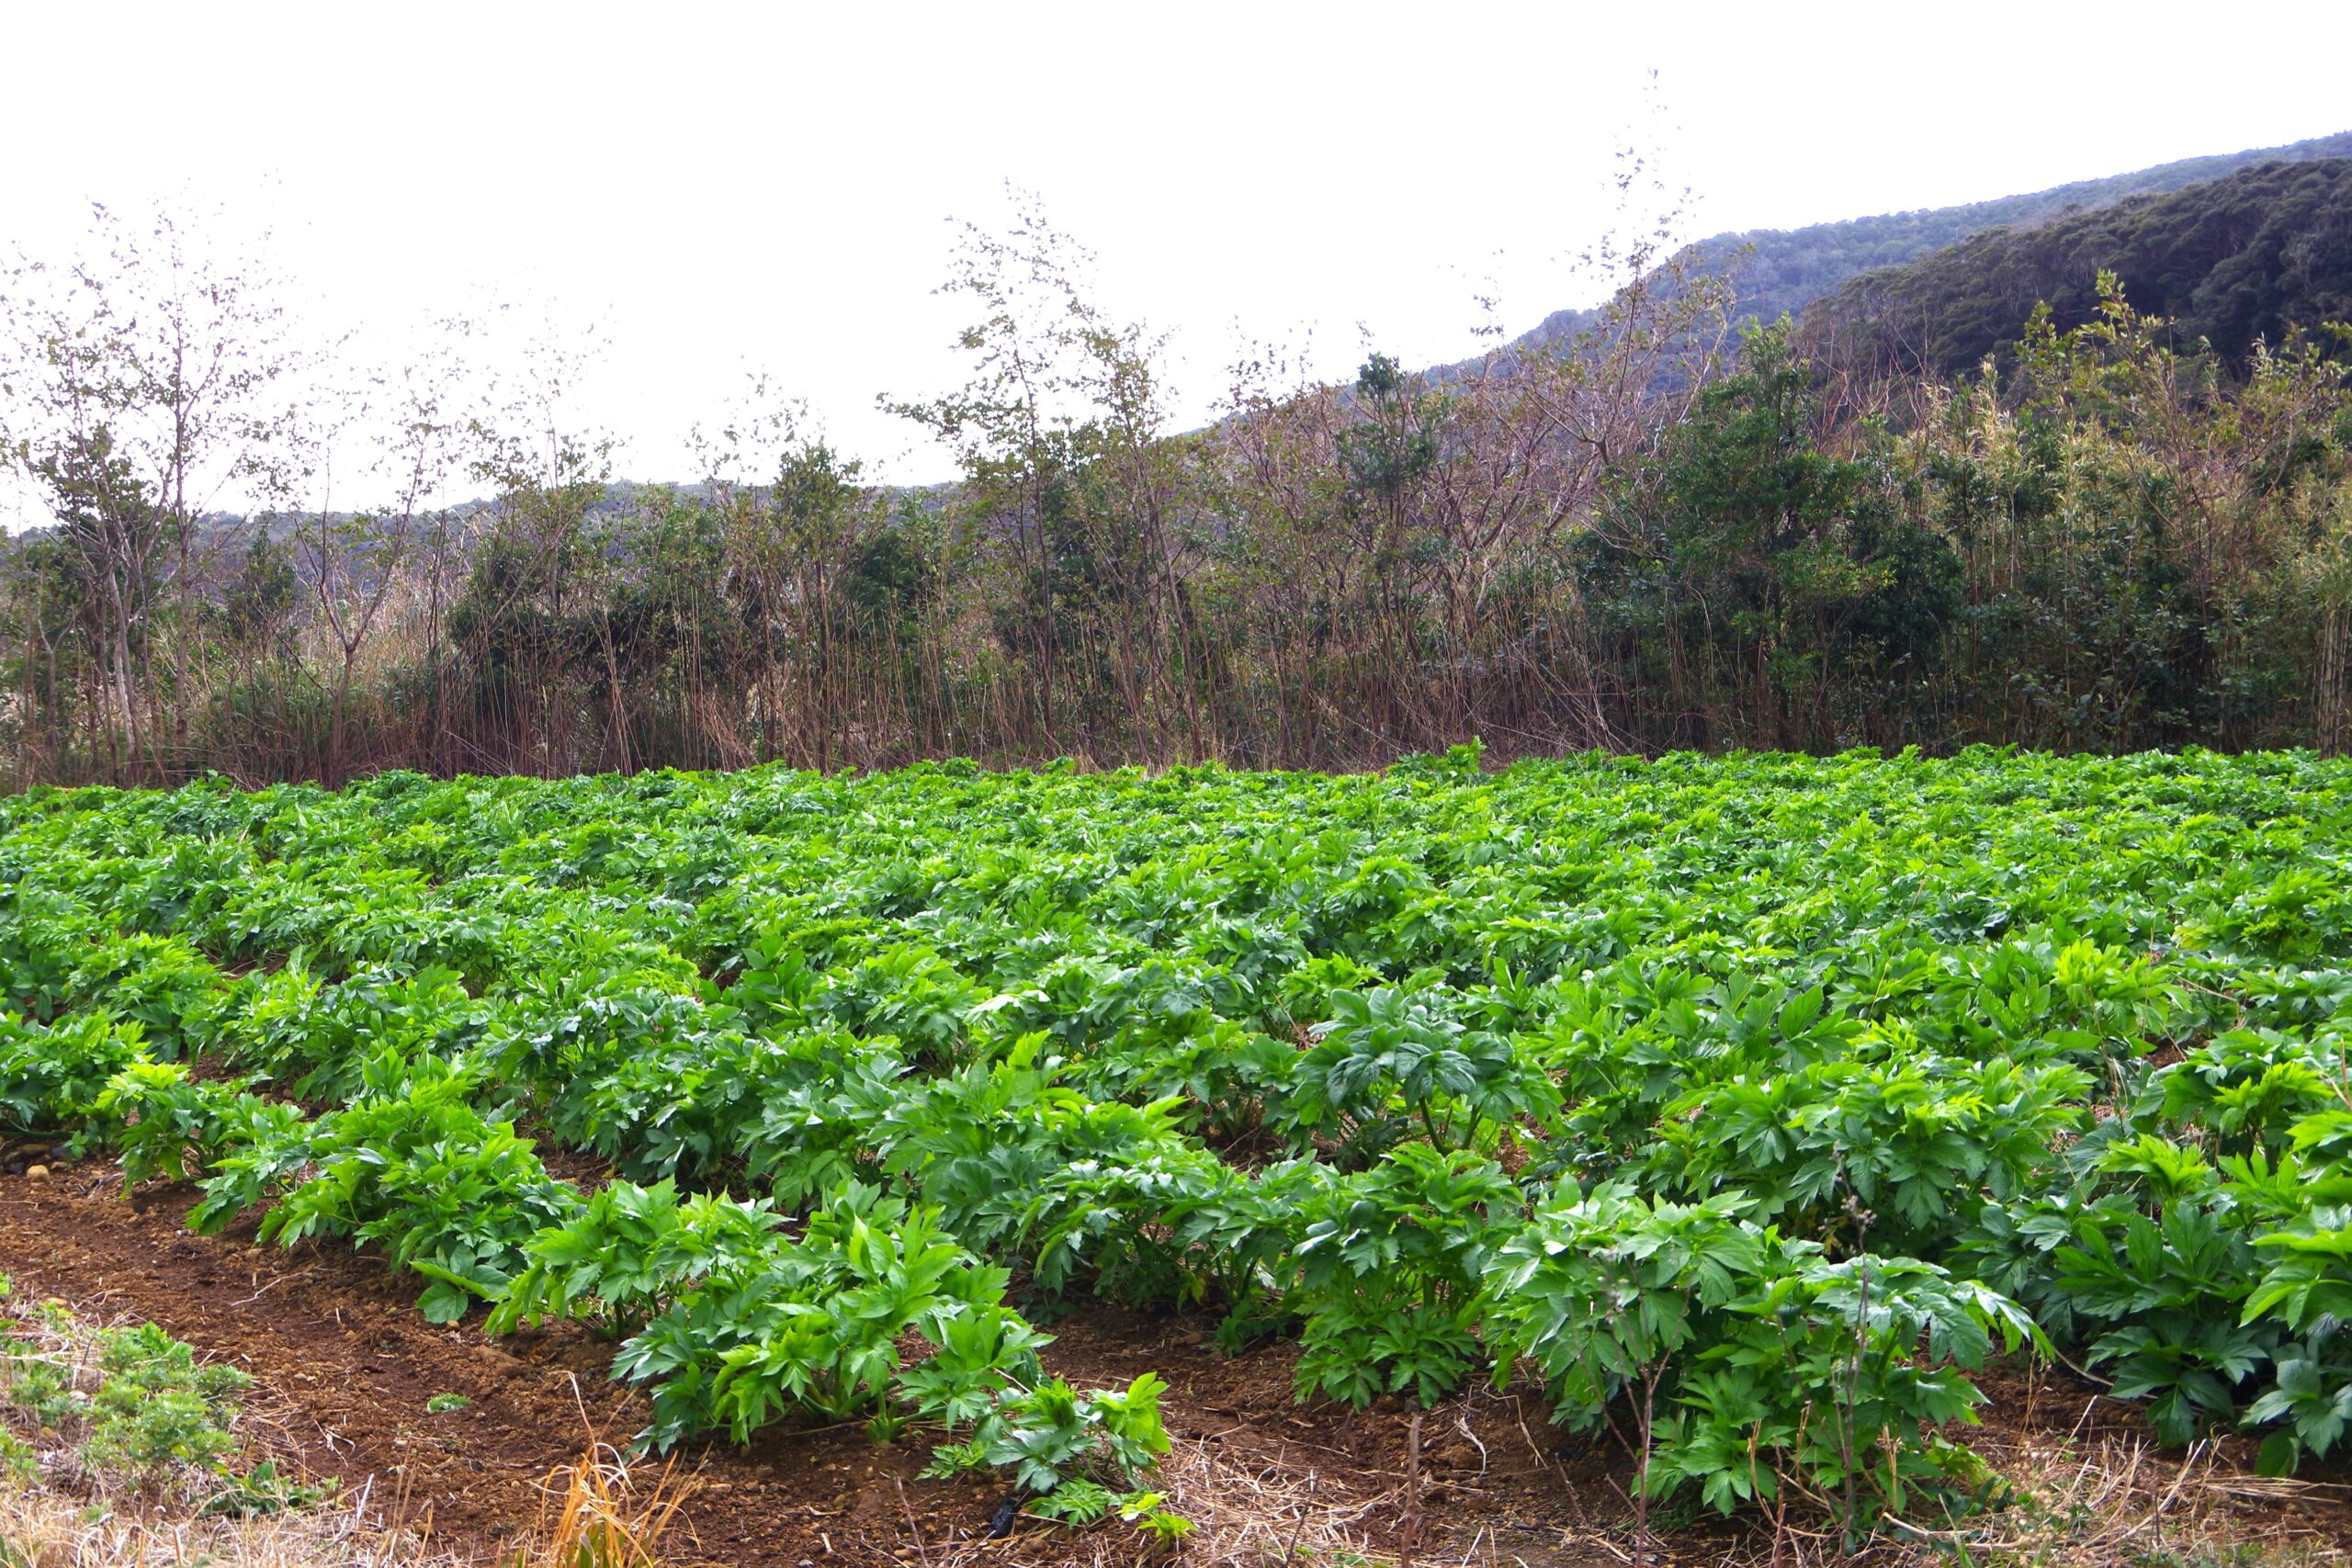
(1648,536)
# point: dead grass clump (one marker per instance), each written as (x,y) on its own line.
(42,1529)
(2114,1499)
(1256,1515)
(594,1516)
(2105,1498)
(1246,1512)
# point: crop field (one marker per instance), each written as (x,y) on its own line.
(1752,1126)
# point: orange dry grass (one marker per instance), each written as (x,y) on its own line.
(601,1522)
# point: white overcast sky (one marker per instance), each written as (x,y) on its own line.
(724,189)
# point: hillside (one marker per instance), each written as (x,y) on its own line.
(1778,271)
(2243,257)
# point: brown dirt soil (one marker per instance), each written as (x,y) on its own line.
(348,1364)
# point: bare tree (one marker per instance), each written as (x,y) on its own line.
(136,395)
(406,433)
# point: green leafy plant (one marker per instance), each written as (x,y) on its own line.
(53,1075)
(165,1125)
(1722,1092)
(413,1166)
(1388,1269)
(1053,1432)
(265,1489)
(629,1252)
(1727,1357)
(1390,1061)
(818,1325)
(156,1406)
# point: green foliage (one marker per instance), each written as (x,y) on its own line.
(1750,1103)
(53,1075)
(1388,1271)
(1388,1059)
(156,1406)
(629,1252)
(818,1325)
(164,1124)
(1900,1145)
(1744,1361)
(1053,1431)
(1778,565)
(137,1408)
(263,1490)
(2251,255)
(1078,1501)
(19,1461)
(413,1166)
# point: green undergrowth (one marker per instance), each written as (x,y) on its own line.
(127,1413)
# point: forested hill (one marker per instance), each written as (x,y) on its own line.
(1778,271)
(2235,259)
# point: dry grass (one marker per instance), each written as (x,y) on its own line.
(1247,1513)
(40,1528)
(2105,1498)
(598,1516)
(59,1510)
(1253,1515)
(595,1517)
(2101,1495)
(2113,1499)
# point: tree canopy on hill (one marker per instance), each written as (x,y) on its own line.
(2232,261)
(1778,272)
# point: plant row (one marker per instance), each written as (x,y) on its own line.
(1747,1104)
